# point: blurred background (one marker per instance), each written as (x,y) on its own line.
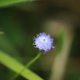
(21,21)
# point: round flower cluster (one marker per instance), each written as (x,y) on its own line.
(43,41)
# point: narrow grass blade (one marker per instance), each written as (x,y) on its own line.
(10,2)
(14,65)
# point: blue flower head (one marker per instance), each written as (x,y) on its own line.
(43,41)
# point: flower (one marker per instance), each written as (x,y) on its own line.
(43,41)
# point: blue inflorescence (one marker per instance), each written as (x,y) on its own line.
(43,41)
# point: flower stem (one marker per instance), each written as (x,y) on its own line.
(34,59)
(27,65)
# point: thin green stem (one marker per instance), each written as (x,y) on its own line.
(34,59)
(27,65)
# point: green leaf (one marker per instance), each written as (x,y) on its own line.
(10,2)
(14,65)
(60,40)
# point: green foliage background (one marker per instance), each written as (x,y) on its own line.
(19,27)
